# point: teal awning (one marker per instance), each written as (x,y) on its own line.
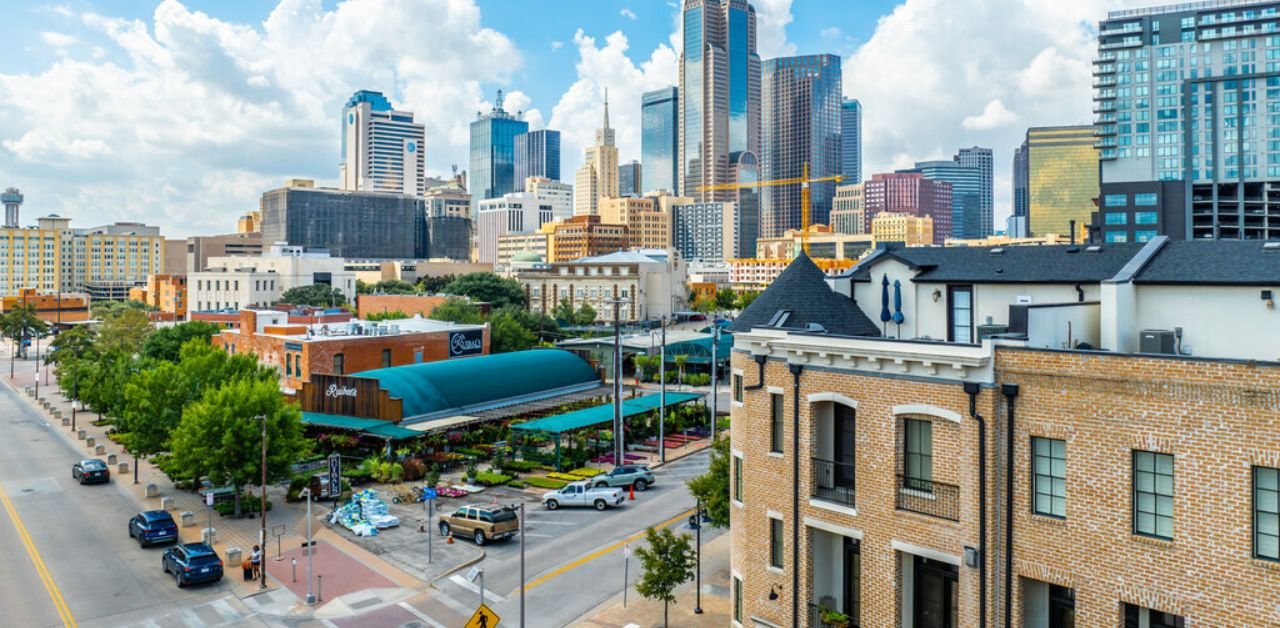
(699,350)
(587,417)
(372,427)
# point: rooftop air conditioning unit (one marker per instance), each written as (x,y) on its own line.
(1157,341)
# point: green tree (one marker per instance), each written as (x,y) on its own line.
(489,288)
(563,312)
(218,436)
(680,361)
(506,333)
(667,562)
(712,487)
(393,286)
(124,332)
(539,324)
(586,315)
(316,295)
(706,306)
(434,284)
(726,299)
(19,325)
(389,315)
(102,310)
(457,310)
(746,297)
(153,401)
(165,343)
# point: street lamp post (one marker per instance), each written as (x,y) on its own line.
(618,438)
(311,549)
(715,344)
(697,544)
(662,394)
(262,584)
(75,390)
(37,378)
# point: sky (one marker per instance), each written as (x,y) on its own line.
(181,113)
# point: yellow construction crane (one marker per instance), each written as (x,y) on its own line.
(803,181)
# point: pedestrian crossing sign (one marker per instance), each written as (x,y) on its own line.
(483,618)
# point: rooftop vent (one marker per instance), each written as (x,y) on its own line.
(1273,247)
(999,250)
(816,328)
(1073,249)
(1094,249)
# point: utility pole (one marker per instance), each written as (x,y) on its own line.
(262,584)
(522,564)
(662,395)
(311,549)
(715,344)
(697,544)
(618,444)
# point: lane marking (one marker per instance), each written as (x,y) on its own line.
(55,595)
(600,552)
(488,595)
(420,615)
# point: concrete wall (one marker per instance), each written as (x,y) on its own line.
(1216,321)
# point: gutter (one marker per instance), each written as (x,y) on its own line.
(760,360)
(795,369)
(971,389)
(1010,392)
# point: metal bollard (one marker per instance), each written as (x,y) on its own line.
(320,588)
(295,568)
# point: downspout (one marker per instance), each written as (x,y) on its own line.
(1010,392)
(760,360)
(795,493)
(971,389)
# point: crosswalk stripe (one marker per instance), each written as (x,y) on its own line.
(472,587)
(420,615)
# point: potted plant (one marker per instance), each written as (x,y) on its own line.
(834,618)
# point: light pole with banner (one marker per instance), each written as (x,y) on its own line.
(429,496)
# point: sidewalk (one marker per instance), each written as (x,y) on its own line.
(717,605)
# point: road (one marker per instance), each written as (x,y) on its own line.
(79,535)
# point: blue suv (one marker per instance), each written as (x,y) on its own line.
(193,562)
(153,526)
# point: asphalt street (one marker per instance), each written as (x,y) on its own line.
(79,536)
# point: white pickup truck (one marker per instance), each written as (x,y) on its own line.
(581,494)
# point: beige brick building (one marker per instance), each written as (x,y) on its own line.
(905,482)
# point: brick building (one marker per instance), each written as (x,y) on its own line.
(299,351)
(60,308)
(167,294)
(410,304)
(959,483)
(585,236)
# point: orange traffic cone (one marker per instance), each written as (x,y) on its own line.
(633,492)
(449,539)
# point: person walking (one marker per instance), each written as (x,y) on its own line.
(256,559)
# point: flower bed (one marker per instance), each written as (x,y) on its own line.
(487,478)
(585,472)
(541,482)
(449,491)
(567,477)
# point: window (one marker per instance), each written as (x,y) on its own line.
(1115,200)
(1153,494)
(1116,236)
(1049,477)
(1145,218)
(775,543)
(775,427)
(1147,199)
(1266,513)
(339,363)
(1117,218)
(737,599)
(960,314)
(1134,616)
(737,478)
(918,462)
(737,388)
(386,358)
(1144,236)
(288,364)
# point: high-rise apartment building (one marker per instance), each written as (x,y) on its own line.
(347,223)
(801,129)
(848,209)
(537,155)
(851,140)
(911,193)
(12,199)
(598,176)
(104,261)
(1185,99)
(719,95)
(966,195)
(1061,178)
(630,179)
(707,232)
(383,150)
(660,139)
(493,154)
(1020,194)
(983,161)
(558,195)
(518,212)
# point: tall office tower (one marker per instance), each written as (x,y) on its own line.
(982,159)
(517,212)
(1061,179)
(630,179)
(660,139)
(966,195)
(1020,183)
(493,154)
(1183,97)
(911,193)
(559,195)
(719,95)
(598,176)
(537,155)
(383,150)
(851,140)
(12,199)
(801,127)
(848,211)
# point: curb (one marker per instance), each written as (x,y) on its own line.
(459,567)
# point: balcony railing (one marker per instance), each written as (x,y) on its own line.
(928,498)
(833,481)
(815,619)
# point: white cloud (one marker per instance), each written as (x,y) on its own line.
(830,32)
(772,17)
(58,40)
(628,13)
(924,100)
(185,119)
(993,116)
(556,45)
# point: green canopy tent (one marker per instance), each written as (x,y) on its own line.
(597,415)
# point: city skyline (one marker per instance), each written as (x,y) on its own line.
(191,164)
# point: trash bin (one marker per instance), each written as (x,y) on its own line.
(188,518)
(233,556)
(209,536)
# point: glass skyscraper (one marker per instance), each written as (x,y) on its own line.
(966,195)
(660,138)
(1061,178)
(537,155)
(493,154)
(631,179)
(802,100)
(851,141)
(982,160)
(719,94)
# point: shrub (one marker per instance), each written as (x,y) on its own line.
(523,466)
(388,472)
(248,505)
(541,482)
(296,484)
(488,478)
(585,472)
(563,476)
(414,469)
(470,451)
(515,484)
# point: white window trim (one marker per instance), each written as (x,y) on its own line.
(826,505)
(774,515)
(736,373)
(833,396)
(775,390)
(927,410)
(735,574)
(813,522)
(931,554)
(774,454)
(734,499)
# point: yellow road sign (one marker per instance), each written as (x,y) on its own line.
(483,618)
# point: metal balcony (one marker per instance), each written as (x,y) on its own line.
(833,481)
(928,498)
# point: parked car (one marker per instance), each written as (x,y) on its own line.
(636,475)
(153,526)
(482,523)
(583,494)
(90,471)
(193,562)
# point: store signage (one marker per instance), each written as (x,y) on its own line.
(469,342)
(335,390)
